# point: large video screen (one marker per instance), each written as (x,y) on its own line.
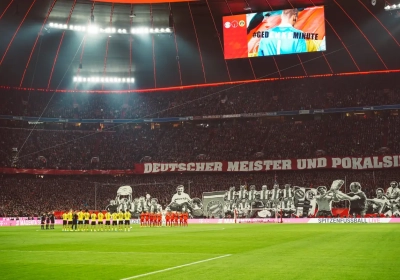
(274,33)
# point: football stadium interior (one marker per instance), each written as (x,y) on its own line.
(215,139)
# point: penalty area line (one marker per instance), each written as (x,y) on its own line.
(175,267)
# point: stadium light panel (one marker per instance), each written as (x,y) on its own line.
(114,80)
(392,7)
(94,29)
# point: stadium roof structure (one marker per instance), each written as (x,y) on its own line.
(360,38)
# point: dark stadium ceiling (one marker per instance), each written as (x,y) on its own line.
(360,37)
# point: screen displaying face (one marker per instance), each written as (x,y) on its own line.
(271,33)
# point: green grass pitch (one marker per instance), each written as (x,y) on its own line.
(255,251)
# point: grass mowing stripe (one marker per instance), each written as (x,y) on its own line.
(104,252)
(175,267)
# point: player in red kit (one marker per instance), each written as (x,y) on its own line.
(159,219)
(152,219)
(173,214)
(168,217)
(180,217)
(142,219)
(176,219)
(147,218)
(185,219)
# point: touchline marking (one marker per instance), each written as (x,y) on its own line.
(103,252)
(175,267)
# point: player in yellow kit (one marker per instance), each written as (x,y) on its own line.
(93,217)
(108,217)
(80,220)
(127,217)
(100,217)
(87,218)
(120,220)
(65,219)
(69,217)
(115,221)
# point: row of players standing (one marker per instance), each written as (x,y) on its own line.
(168,218)
(47,219)
(80,220)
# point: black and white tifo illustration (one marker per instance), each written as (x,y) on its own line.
(278,200)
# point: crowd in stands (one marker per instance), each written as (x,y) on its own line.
(29,196)
(234,140)
(295,94)
(237,139)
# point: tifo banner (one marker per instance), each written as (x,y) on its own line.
(269,33)
(337,203)
(279,201)
(352,163)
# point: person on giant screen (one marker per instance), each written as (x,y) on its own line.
(311,21)
(283,39)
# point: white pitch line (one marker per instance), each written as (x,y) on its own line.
(175,267)
(102,252)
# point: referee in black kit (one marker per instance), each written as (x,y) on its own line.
(47,220)
(52,220)
(74,220)
(42,220)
